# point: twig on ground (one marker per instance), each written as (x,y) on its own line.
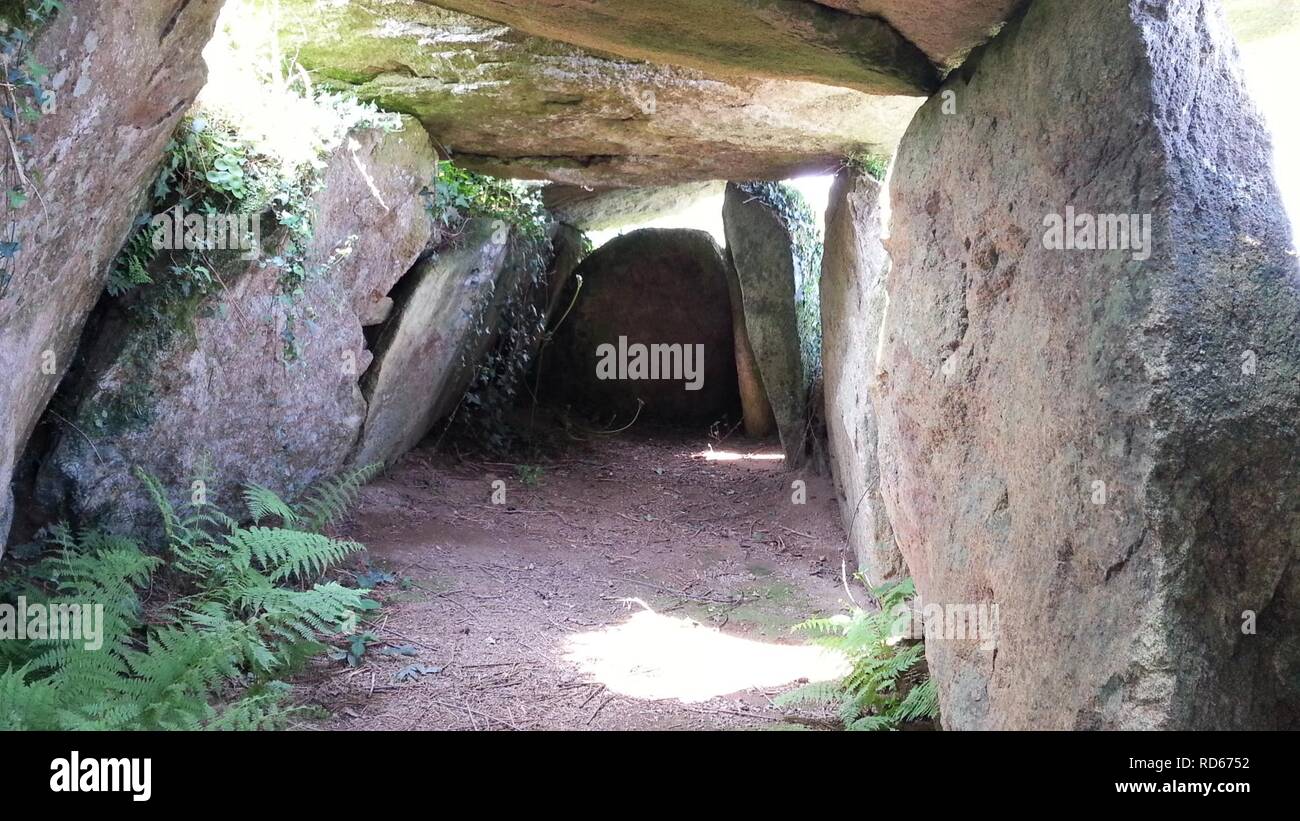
(762,716)
(600,688)
(500,509)
(384,627)
(798,532)
(472,712)
(678,593)
(598,709)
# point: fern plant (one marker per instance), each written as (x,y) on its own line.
(242,607)
(887,685)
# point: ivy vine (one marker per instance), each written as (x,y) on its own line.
(521,220)
(25,100)
(211,168)
(794,212)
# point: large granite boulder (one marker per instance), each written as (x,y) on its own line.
(93,154)
(852,306)
(604,209)
(427,353)
(1088,383)
(514,105)
(762,248)
(946,30)
(816,42)
(653,287)
(262,388)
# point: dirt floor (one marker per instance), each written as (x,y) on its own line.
(640,582)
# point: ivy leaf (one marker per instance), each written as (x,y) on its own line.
(9,249)
(36,71)
(17,198)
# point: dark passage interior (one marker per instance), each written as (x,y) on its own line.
(650,325)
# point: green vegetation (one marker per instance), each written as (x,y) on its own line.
(530,475)
(888,685)
(460,195)
(521,221)
(1253,20)
(21,106)
(230,611)
(875,166)
(212,167)
(207,169)
(28,15)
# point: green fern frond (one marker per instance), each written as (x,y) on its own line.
(329,502)
(263,710)
(922,701)
(291,554)
(886,685)
(171,522)
(817,693)
(263,502)
(871,723)
(822,627)
(236,625)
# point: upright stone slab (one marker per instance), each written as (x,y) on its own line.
(852,306)
(1102,443)
(122,74)
(603,209)
(650,334)
(756,411)
(762,250)
(231,399)
(443,325)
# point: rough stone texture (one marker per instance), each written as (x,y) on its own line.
(852,306)
(610,208)
(94,155)
(738,35)
(376,312)
(785,39)
(426,354)
(756,410)
(762,250)
(6,511)
(226,397)
(1014,379)
(946,30)
(514,105)
(651,286)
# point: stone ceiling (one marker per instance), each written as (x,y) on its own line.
(785,39)
(871,45)
(508,103)
(630,93)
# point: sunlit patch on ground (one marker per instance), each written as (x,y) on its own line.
(712,455)
(653,656)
